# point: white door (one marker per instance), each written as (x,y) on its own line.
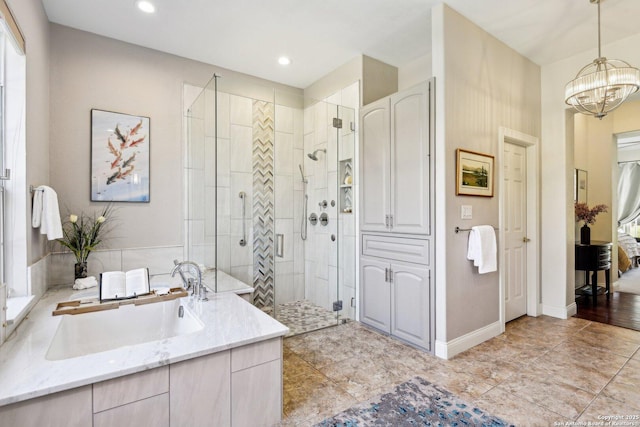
(410,304)
(515,231)
(375,309)
(410,161)
(375,167)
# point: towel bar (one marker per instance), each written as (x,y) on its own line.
(33,189)
(458,229)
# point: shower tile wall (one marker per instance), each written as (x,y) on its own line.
(289,199)
(235,174)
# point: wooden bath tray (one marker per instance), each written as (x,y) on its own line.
(93,304)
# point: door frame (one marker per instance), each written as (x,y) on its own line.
(532,146)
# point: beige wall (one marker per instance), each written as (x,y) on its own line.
(90,71)
(34,25)
(414,72)
(481,85)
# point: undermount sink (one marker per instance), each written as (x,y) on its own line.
(87,333)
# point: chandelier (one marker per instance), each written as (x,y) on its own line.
(604,84)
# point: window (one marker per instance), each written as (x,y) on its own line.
(13,191)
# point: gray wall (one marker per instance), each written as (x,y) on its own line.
(486,85)
(34,25)
(90,71)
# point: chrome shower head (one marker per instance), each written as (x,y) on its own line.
(314,156)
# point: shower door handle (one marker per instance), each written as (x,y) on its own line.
(243,197)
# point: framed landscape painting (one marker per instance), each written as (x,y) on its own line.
(474,173)
(119,157)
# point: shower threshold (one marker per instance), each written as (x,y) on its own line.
(304,316)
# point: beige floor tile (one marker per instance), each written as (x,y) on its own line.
(610,330)
(610,342)
(359,377)
(537,386)
(603,406)
(517,410)
(624,386)
(317,401)
(540,371)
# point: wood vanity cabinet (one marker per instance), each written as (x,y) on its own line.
(238,387)
(394,163)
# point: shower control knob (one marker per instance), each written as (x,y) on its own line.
(324,219)
(333,203)
(333,237)
(323,204)
(313,219)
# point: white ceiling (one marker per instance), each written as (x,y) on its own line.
(320,35)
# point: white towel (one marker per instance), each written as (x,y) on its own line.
(46,213)
(87,282)
(483,249)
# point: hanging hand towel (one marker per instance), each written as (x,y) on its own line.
(483,249)
(46,213)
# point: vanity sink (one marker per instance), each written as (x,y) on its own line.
(82,334)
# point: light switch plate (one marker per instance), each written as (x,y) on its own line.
(466,212)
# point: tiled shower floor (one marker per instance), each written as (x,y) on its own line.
(304,316)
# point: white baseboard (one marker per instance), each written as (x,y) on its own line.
(560,312)
(446,350)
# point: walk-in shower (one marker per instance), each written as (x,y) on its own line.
(244,145)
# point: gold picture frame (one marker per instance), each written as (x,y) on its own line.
(474,173)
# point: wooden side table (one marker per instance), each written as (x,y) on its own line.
(592,258)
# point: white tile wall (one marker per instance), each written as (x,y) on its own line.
(159,260)
(240,110)
(284,154)
(241,149)
(223,115)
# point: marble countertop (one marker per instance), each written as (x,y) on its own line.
(25,373)
(225,282)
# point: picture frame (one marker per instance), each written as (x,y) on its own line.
(474,173)
(120,157)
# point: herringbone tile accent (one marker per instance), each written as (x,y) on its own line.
(263,206)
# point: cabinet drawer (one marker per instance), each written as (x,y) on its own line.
(396,248)
(120,391)
(255,354)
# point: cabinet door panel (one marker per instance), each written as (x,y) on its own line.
(410,304)
(410,161)
(201,391)
(374,166)
(374,294)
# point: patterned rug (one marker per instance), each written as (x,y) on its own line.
(414,403)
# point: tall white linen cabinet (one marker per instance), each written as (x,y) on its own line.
(396,211)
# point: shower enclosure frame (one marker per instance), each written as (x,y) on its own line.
(207,132)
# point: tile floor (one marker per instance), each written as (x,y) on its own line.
(304,316)
(541,371)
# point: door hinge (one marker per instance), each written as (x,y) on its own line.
(337,305)
(337,123)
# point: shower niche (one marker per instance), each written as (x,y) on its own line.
(346,186)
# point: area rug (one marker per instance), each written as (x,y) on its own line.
(628,282)
(414,403)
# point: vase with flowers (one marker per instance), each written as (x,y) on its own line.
(588,215)
(82,234)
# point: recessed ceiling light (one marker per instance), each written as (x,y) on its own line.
(146,6)
(284,60)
